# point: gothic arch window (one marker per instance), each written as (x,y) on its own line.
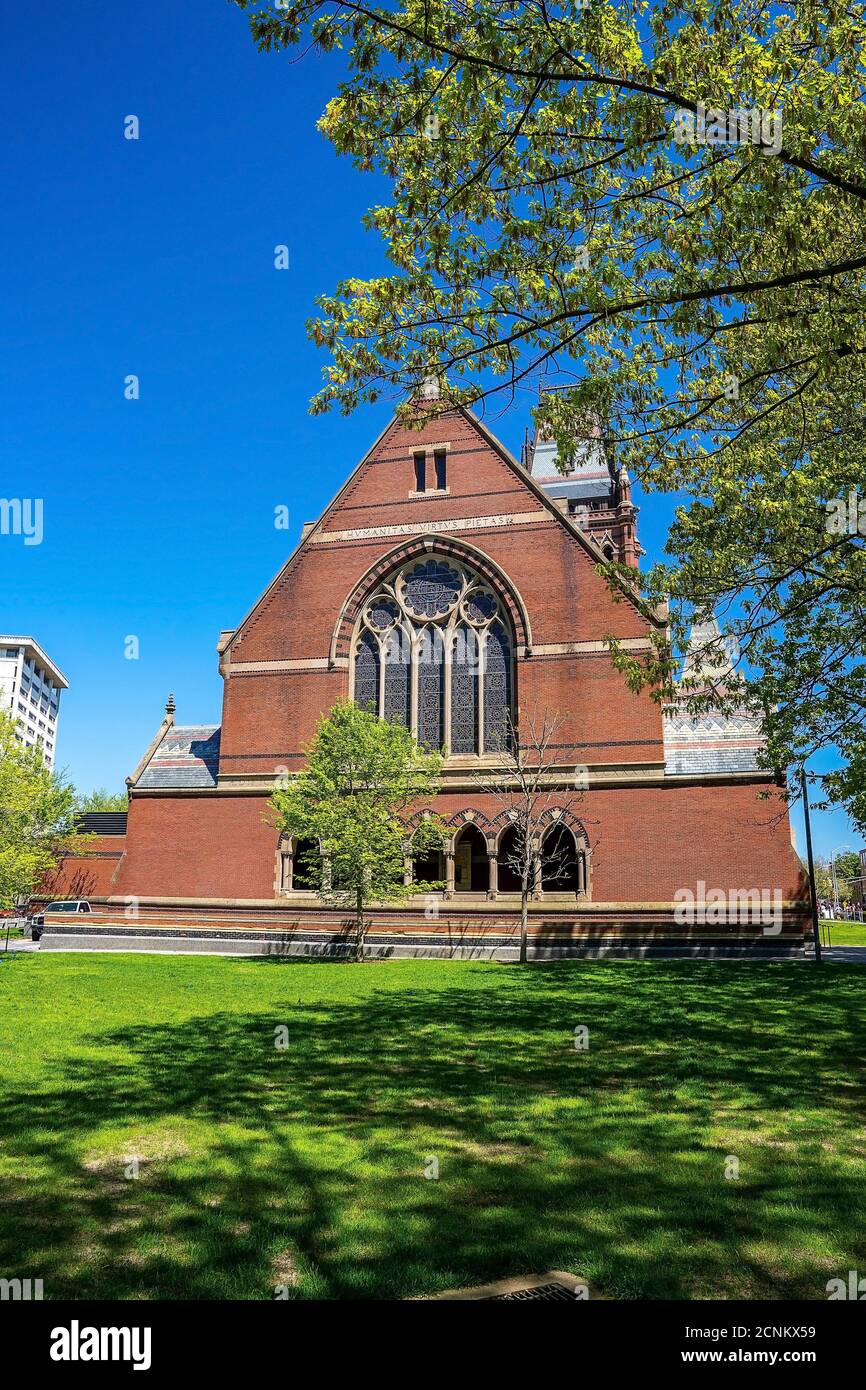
(367,664)
(497,688)
(433,649)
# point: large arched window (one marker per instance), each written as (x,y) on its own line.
(433,649)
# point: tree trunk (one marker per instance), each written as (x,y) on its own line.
(524,921)
(360,926)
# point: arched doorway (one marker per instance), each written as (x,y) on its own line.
(471,865)
(560,864)
(508,859)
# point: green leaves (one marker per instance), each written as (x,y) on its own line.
(365,778)
(37,818)
(705,296)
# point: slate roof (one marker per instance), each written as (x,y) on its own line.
(187,756)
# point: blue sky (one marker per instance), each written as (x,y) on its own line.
(155,257)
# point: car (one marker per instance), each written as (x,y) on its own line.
(37,919)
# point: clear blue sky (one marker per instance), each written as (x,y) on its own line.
(156,257)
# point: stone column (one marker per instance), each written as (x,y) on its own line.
(493,869)
(537,892)
(449,874)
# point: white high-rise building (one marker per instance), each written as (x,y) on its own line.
(30,687)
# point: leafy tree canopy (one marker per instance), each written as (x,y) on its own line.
(103,800)
(661,204)
(37,818)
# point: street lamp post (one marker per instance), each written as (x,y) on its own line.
(813,896)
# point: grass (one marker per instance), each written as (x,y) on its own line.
(304,1167)
(844,933)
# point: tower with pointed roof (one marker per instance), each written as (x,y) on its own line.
(590,489)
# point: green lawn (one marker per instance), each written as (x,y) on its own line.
(844,933)
(305,1166)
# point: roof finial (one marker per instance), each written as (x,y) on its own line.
(169,707)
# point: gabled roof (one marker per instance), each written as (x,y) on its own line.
(631,595)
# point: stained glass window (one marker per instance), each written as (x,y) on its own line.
(398,678)
(481,607)
(383,613)
(405,628)
(367,672)
(430,589)
(497,688)
(464,692)
(431,689)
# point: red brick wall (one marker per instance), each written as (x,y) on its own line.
(268,717)
(646,842)
(87,876)
(198,847)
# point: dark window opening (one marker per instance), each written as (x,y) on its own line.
(559,864)
(509,860)
(428,865)
(306,865)
(439,458)
(420,473)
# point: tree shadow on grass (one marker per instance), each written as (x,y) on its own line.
(305,1166)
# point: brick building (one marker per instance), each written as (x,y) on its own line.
(451,585)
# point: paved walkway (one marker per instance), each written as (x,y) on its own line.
(848,955)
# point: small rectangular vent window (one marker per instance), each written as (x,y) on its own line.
(420,473)
(439,458)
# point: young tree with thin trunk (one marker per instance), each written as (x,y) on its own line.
(527,785)
(37,818)
(363,780)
